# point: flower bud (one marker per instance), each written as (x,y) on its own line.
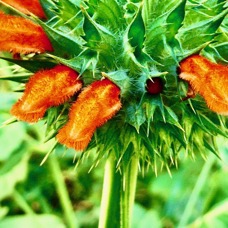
(20,35)
(95,105)
(208,79)
(27,7)
(46,88)
(154,85)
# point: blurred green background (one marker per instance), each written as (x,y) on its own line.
(60,194)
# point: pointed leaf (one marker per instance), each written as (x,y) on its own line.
(135,115)
(175,19)
(109,13)
(171,117)
(152,102)
(211,127)
(136,33)
(61,42)
(193,35)
(218,50)
(16,78)
(49,7)
(210,146)
(31,65)
(80,63)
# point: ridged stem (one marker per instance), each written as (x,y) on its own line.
(118,194)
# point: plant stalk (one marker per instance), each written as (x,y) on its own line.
(21,202)
(61,189)
(118,193)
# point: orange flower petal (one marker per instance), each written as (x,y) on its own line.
(22,36)
(46,88)
(95,105)
(208,79)
(27,7)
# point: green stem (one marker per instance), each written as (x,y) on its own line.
(68,211)
(21,202)
(118,194)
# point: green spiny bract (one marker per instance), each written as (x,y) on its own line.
(130,42)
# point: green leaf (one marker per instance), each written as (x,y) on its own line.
(92,36)
(209,144)
(9,144)
(94,33)
(110,14)
(218,50)
(55,118)
(136,33)
(49,7)
(104,138)
(86,61)
(174,20)
(154,43)
(179,138)
(31,65)
(66,16)
(135,115)
(171,117)
(21,78)
(162,19)
(62,43)
(16,171)
(209,126)
(194,35)
(150,142)
(151,103)
(216,53)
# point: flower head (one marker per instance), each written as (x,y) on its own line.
(140,60)
(208,79)
(46,88)
(95,105)
(22,35)
(27,6)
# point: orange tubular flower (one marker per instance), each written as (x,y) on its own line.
(208,79)
(20,35)
(95,105)
(46,88)
(27,7)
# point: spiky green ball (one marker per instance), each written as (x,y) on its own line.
(130,42)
